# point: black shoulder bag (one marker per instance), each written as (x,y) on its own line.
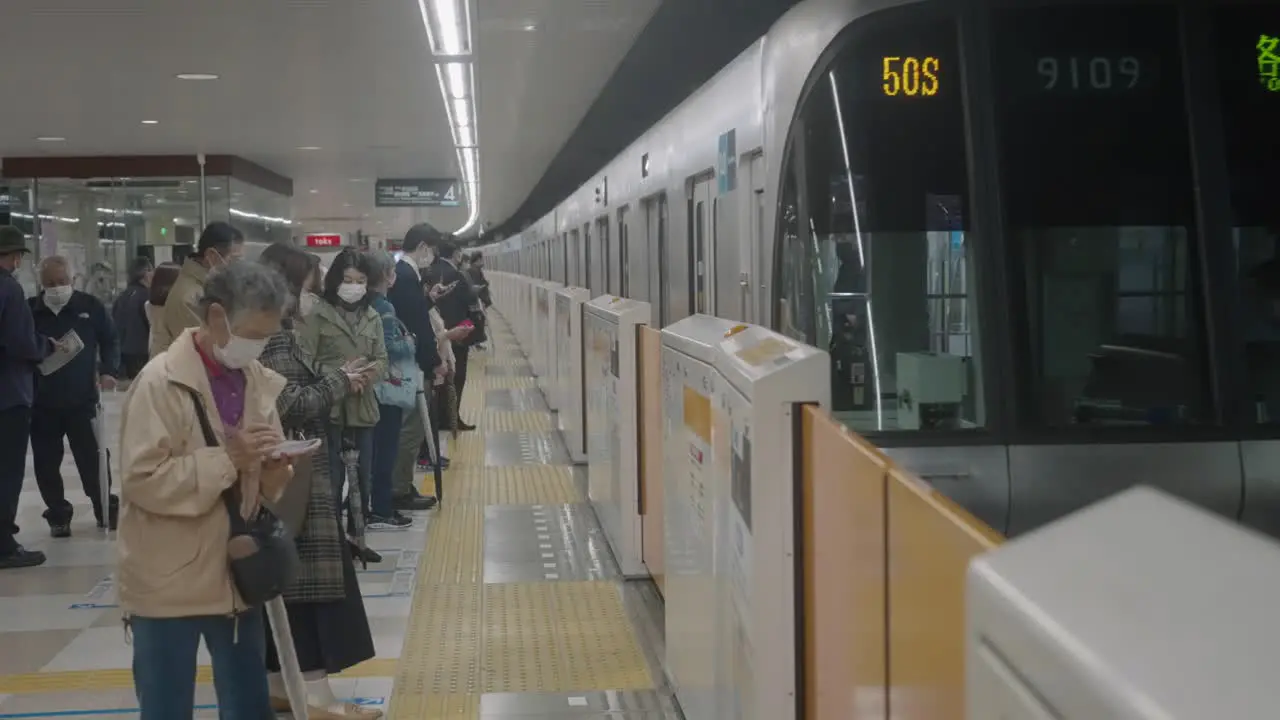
(262,554)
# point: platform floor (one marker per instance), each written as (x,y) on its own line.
(503,603)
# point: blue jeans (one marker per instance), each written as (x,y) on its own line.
(164,665)
(386,446)
(363,437)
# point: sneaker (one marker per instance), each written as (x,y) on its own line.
(425,464)
(395,521)
(413,502)
(60,530)
(21,558)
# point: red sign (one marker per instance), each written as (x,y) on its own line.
(324,240)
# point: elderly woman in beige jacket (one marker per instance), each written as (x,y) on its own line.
(175,584)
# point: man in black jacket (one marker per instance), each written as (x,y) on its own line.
(456,306)
(21,348)
(66,400)
(413,308)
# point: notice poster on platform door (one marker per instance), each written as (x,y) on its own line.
(737,553)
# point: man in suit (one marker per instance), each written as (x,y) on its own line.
(456,304)
(413,308)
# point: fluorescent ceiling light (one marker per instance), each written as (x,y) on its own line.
(309,147)
(457,80)
(449,26)
(150,122)
(467,159)
(197,76)
(466,136)
(530,27)
(461,112)
(313,191)
(358,180)
(51,138)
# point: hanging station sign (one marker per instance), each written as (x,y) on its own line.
(423,192)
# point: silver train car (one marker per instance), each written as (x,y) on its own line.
(1037,238)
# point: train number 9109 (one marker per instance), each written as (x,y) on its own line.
(910,76)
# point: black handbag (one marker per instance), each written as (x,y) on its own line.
(261,552)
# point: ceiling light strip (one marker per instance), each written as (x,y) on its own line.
(448,27)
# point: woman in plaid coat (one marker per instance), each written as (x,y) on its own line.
(326,612)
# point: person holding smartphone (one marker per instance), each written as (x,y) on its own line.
(456,302)
(341,330)
(327,618)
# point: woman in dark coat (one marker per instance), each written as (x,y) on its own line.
(326,612)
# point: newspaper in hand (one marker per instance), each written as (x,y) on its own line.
(67,348)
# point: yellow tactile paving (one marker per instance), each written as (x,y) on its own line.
(515,485)
(508,382)
(560,637)
(517,421)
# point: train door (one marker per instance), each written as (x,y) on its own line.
(702,290)
(750,258)
(655,210)
(564,258)
(606,256)
(575,258)
(624,256)
(592,280)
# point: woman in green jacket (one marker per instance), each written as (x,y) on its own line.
(342,328)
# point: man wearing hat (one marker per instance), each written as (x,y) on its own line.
(21,349)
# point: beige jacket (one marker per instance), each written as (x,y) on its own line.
(174,527)
(178,312)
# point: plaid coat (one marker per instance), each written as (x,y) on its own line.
(304,407)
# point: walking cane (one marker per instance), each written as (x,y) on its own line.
(104,465)
(294,686)
(430,432)
(355,494)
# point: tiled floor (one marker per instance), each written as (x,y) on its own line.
(504,603)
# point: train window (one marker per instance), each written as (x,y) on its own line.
(1098,189)
(885,191)
(1247,39)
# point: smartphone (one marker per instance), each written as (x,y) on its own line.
(293,448)
(467,324)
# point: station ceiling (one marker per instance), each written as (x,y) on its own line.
(332,93)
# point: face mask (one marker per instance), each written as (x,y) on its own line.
(58,297)
(239,352)
(351,292)
(307,303)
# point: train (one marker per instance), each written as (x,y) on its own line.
(1029,234)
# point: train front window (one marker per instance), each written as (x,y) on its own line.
(1247,42)
(1098,189)
(884,243)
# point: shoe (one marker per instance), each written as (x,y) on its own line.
(410,503)
(22,558)
(396,521)
(425,464)
(465,427)
(60,530)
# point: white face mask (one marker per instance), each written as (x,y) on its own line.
(239,352)
(58,297)
(351,292)
(307,303)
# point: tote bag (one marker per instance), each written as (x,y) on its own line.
(400,388)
